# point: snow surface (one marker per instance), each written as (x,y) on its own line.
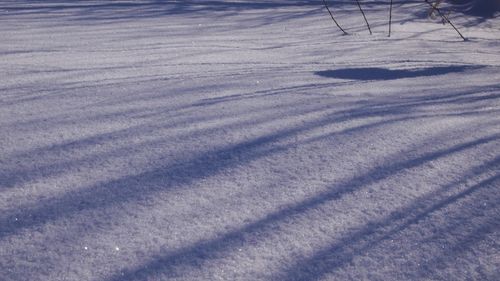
(247,140)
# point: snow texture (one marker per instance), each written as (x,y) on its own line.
(247,140)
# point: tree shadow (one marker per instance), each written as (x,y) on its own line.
(468,12)
(396,111)
(169,175)
(376,73)
(137,187)
(359,243)
(477,8)
(361,240)
(89,11)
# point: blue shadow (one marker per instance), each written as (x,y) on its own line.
(375,73)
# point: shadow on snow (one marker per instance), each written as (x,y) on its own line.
(375,73)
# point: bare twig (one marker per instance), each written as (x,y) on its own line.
(331,15)
(445,18)
(390,18)
(363,13)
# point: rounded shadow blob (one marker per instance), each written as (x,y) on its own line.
(375,73)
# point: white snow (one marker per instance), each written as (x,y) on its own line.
(247,140)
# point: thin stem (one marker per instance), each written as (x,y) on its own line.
(367,24)
(444,17)
(390,19)
(331,15)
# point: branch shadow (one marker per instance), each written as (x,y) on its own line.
(196,253)
(359,243)
(122,11)
(396,110)
(209,163)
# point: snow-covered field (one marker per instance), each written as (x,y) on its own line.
(247,140)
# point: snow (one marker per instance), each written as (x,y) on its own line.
(247,140)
